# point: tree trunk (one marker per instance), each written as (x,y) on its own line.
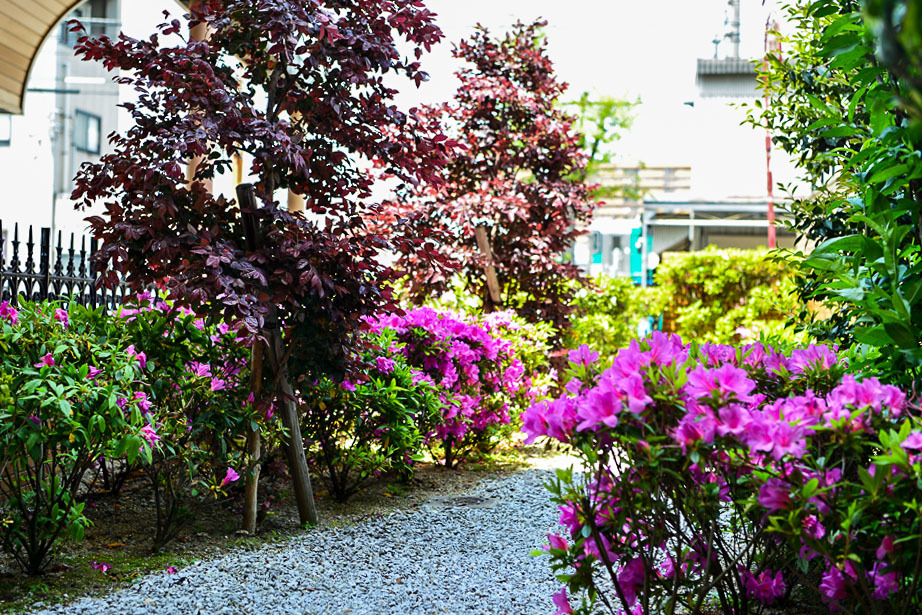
(297,462)
(493,296)
(251,495)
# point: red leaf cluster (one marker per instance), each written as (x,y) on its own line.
(299,85)
(519,174)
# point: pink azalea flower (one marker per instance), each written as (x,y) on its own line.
(562,603)
(47,361)
(172,570)
(143,403)
(832,585)
(102,567)
(202,370)
(569,518)
(149,434)
(886,547)
(141,357)
(734,419)
(230,477)
(813,527)
(631,579)
(788,439)
(92,372)
(218,385)
(9,312)
(774,494)
(885,583)
(385,365)
(725,381)
(583,355)
(913,442)
(534,421)
(557,542)
(61,316)
(765,588)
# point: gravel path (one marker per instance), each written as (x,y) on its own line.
(459,555)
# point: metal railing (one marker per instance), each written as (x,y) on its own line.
(56,271)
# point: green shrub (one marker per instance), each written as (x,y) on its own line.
(357,431)
(67,398)
(845,99)
(608,313)
(197,378)
(725,296)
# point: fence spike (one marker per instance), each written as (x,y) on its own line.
(30,248)
(14,263)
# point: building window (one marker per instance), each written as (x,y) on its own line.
(6,129)
(87,132)
(668,180)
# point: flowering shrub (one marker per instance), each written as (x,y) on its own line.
(728,477)
(477,368)
(531,343)
(67,398)
(357,431)
(196,378)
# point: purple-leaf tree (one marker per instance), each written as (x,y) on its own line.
(299,87)
(519,177)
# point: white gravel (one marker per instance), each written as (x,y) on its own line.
(458,555)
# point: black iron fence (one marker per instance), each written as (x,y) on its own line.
(58,270)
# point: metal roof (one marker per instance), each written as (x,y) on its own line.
(725,66)
(24,25)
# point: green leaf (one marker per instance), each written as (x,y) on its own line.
(901,335)
(888,172)
(810,488)
(838,131)
(873,336)
(838,244)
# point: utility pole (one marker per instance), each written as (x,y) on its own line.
(772,45)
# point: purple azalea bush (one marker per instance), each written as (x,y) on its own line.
(723,479)
(476,368)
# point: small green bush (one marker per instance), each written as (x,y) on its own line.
(68,397)
(608,312)
(357,431)
(725,296)
(197,378)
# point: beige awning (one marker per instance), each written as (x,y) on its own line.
(24,24)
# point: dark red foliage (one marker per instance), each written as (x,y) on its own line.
(519,175)
(299,85)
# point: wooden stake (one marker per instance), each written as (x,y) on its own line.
(254,446)
(278,361)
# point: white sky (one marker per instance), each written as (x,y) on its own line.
(622,48)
